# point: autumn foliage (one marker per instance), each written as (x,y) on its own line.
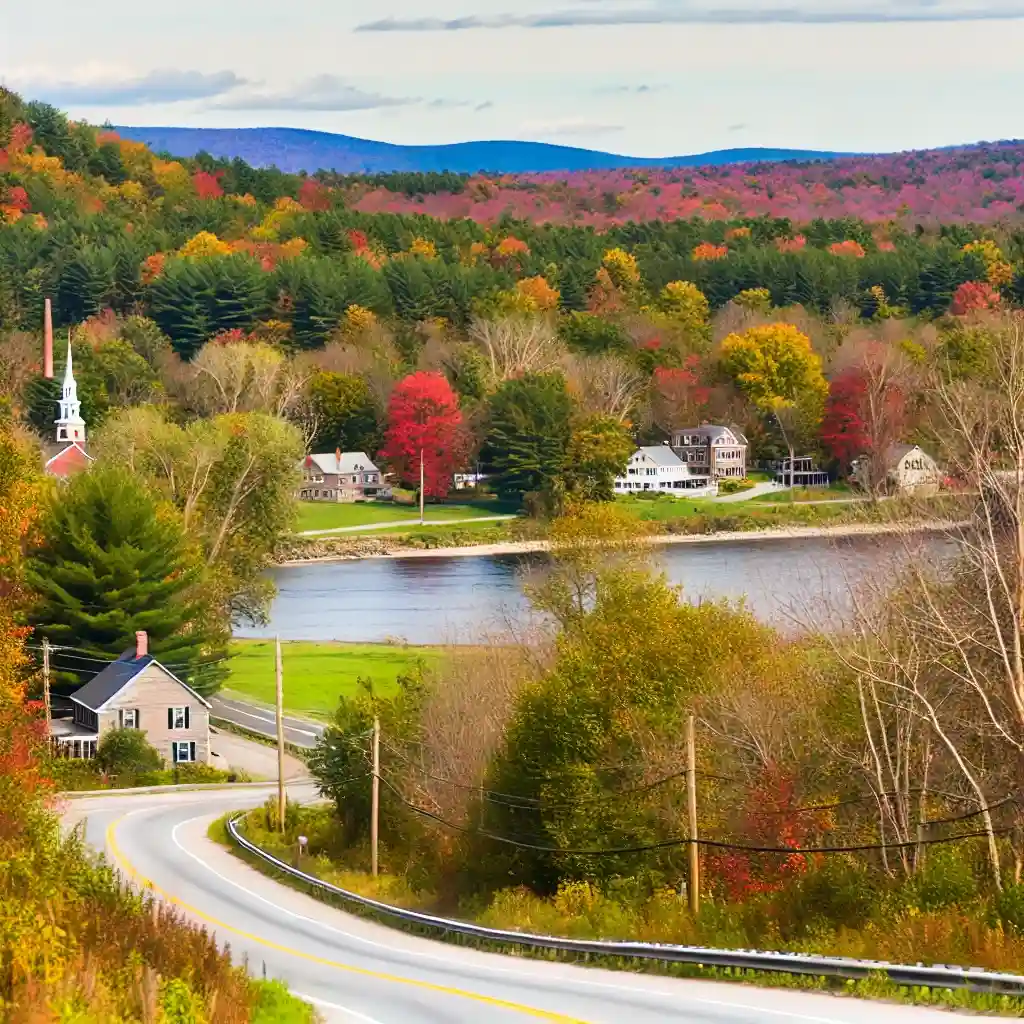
(973,296)
(424,416)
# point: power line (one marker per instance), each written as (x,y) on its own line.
(670,843)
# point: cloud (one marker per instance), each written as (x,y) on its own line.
(695,14)
(736,127)
(486,105)
(631,90)
(160,86)
(322,92)
(569,127)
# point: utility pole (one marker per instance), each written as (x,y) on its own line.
(691,794)
(46,684)
(375,799)
(280,737)
(421,487)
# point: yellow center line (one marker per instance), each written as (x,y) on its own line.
(126,866)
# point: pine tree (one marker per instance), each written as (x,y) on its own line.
(529,433)
(113,560)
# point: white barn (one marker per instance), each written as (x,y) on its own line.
(659,468)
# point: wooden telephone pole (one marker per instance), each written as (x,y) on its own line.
(691,794)
(421,487)
(46,684)
(375,798)
(280,737)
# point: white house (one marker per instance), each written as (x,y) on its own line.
(659,468)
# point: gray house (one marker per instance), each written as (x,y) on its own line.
(712,451)
(343,476)
(137,692)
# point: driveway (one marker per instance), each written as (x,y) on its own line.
(769,487)
(255,759)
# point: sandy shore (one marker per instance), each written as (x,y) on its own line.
(725,537)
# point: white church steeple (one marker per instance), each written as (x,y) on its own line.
(70,425)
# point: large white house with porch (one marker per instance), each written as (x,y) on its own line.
(658,468)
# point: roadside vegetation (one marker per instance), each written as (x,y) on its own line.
(75,943)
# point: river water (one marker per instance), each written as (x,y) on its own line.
(452,600)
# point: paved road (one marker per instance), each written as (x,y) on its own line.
(390,524)
(260,718)
(358,971)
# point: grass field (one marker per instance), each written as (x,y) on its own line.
(323,515)
(837,491)
(317,674)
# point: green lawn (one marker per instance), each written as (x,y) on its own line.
(317,674)
(323,515)
(836,491)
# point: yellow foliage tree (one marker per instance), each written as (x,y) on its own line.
(204,245)
(359,319)
(779,372)
(757,300)
(622,269)
(537,289)
(423,247)
(998,271)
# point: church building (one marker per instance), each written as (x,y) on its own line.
(69,455)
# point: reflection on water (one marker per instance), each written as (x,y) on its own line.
(438,600)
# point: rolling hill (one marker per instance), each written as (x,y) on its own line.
(295,149)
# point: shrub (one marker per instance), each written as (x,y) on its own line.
(1009,907)
(946,880)
(127,752)
(836,894)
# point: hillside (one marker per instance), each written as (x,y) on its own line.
(295,149)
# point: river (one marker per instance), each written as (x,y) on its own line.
(451,600)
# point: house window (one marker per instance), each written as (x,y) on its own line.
(183,753)
(177,718)
(128,718)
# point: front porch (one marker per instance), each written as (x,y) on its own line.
(72,740)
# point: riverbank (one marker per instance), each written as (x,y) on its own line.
(392,547)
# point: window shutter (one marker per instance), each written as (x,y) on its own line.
(138,719)
(192,751)
(187,726)
(170,718)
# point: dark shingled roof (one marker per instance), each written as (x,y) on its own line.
(114,678)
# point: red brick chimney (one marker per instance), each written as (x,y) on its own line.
(337,458)
(48,340)
(141,644)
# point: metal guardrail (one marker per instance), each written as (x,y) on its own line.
(974,979)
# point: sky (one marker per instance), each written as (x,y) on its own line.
(641,77)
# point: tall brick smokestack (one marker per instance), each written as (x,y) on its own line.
(48,341)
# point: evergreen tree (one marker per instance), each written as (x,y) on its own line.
(529,433)
(112,560)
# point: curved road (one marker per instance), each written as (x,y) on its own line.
(364,973)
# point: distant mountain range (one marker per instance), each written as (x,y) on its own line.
(295,149)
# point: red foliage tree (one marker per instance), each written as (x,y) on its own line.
(424,415)
(358,240)
(18,198)
(678,398)
(843,432)
(206,185)
(972,296)
(772,819)
(867,411)
(313,196)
